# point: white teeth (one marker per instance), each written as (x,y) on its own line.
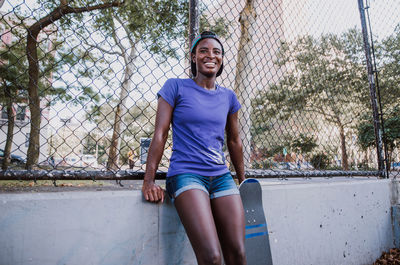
(210,64)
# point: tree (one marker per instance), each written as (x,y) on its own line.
(143,27)
(140,117)
(323,77)
(14,78)
(303,144)
(243,78)
(388,57)
(12,86)
(366,133)
(57,10)
(152,25)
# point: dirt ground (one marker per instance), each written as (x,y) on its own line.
(15,186)
(392,257)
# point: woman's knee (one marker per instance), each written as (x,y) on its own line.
(211,258)
(235,255)
(240,255)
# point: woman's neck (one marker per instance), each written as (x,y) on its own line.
(205,82)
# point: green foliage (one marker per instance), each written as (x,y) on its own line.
(53,57)
(13,74)
(303,144)
(14,71)
(388,58)
(320,161)
(323,76)
(138,122)
(219,26)
(366,133)
(392,130)
(154,24)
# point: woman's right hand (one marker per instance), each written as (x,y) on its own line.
(152,192)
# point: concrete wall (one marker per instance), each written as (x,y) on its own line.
(329,223)
(396,224)
(320,221)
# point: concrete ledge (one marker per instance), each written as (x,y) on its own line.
(110,227)
(396,225)
(329,222)
(323,221)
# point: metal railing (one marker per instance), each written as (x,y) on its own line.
(318,82)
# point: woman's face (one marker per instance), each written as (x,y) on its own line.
(208,57)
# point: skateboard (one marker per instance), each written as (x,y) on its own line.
(258,251)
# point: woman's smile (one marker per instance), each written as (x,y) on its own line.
(210,64)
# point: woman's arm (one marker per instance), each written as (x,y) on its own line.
(151,191)
(235,145)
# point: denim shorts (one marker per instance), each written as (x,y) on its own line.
(215,187)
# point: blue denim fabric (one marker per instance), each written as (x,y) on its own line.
(215,187)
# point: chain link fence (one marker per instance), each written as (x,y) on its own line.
(79,82)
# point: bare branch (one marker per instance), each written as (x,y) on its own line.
(118,42)
(132,42)
(110,52)
(62,10)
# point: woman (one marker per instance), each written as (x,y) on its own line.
(198,181)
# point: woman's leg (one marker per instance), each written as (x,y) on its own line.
(229,219)
(194,209)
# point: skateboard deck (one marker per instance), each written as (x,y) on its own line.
(258,251)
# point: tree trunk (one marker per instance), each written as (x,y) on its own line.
(345,163)
(10,129)
(366,160)
(113,154)
(390,155)
(34,100)
(31,52)
(244,77)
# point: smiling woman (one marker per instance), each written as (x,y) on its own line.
(198,180)
(207,49)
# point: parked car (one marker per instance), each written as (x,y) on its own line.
(15,159)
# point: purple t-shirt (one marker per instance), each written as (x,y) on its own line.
(198,126)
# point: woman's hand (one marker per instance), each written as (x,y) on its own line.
(152,192)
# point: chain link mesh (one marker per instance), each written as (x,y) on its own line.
(79,83)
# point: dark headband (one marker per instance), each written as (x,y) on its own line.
(206,35)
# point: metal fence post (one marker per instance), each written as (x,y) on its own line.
(372,91)
(194,25)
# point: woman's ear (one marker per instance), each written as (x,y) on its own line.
(193,57)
